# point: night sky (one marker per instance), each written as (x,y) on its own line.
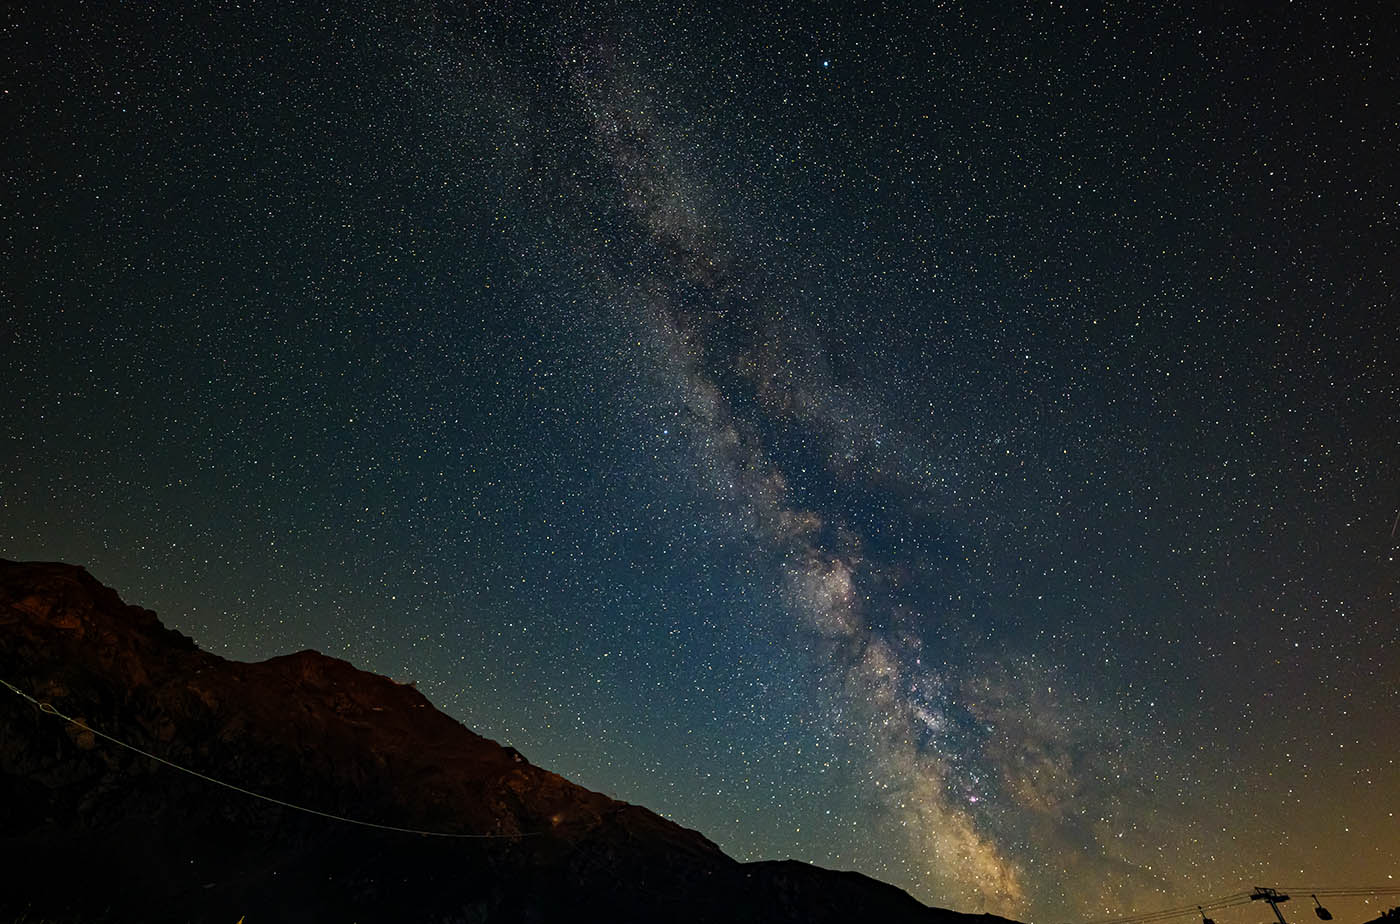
(956,442)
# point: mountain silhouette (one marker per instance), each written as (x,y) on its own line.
(93,831)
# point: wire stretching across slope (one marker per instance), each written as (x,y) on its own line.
(49,709)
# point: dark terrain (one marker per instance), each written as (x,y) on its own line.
(90,831)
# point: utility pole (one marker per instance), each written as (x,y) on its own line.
(1274,897)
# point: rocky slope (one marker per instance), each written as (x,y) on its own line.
(90,831)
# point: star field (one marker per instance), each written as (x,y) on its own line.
(952,443)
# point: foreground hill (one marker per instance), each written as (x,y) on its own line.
(92,831)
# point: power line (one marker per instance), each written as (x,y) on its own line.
(1226,901)
(49,708)
(1357,890)
(1243,898)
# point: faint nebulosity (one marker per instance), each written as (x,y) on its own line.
(956,443)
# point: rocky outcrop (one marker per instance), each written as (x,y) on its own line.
(92,831)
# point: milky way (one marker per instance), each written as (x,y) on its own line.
(956,445)
(880,677)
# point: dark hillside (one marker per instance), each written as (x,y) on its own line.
(91,831)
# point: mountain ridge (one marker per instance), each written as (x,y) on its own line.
(313,730)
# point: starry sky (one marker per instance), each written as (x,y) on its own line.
(952,441)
